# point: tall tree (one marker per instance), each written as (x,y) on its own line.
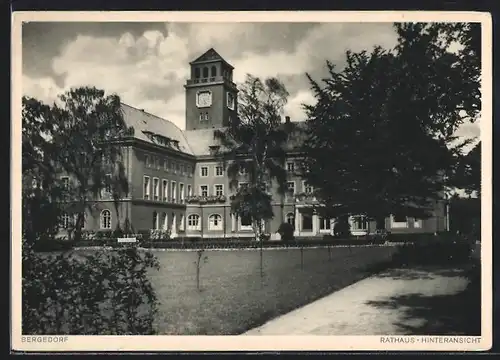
(80,140)
(381,135)
(253,144)
(468,174)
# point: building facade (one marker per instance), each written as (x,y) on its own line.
(176,184)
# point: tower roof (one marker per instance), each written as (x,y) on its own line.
(210,56)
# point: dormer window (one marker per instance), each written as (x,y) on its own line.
(230,101)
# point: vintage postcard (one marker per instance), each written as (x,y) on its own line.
(251,181)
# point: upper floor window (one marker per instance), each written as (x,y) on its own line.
(65,221)
(290,167)
(205,72)
(308,189)
(204,171)
(203,190)
(291,187)
(219,189)
(65,182)
(219,171)
(197,73)
(214,71)
(147,160)
(146,188)
(156,189)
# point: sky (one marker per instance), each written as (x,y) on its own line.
(147,63)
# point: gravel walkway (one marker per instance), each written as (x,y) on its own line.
(396,302)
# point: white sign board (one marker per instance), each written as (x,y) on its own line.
(127,240)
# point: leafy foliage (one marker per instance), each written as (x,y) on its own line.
(253,144)
(102,293)
(77,138)
(377,144)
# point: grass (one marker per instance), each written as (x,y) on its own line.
(233,297)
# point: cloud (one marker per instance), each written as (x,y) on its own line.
(148,64)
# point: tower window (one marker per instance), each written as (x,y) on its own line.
(197,73)
(230,101)
(214,71)
(205,72)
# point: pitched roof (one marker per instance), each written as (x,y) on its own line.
(209,56)
(200,140)
(147,127)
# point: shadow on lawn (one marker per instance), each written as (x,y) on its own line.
(456,314)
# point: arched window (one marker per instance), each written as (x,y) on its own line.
(197,73)
(105,219)
(215,222)
(155,220)
(213,71)
(290,218)
(193,222)
(205,72)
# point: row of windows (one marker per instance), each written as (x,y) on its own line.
(218,190)
(164,193)
(308,189)
(168,165)
(218,171)
(204,72)
(215,222)
(68,221)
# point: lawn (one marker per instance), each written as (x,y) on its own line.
(234,298)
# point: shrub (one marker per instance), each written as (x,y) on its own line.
(50,245)
(286,231)
(342,228)
(102,293)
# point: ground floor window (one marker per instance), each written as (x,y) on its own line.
(324,223)
(105,219)
(215,222)
(359,223)
(307,223)
(155,220)
(193,222)
(417,223)
(245,223)
(399,221)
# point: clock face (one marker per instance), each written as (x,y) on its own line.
(204,99)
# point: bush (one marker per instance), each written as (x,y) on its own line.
(342,229)
(286,231)
(102,293)
(50,245)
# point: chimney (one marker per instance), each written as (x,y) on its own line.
(287,119)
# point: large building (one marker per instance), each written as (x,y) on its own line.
(176,184)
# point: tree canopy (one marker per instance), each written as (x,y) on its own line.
(381,136)
(75,137)
(252,148)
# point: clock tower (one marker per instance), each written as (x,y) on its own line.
(211,95)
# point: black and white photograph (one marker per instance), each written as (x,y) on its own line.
(244,176)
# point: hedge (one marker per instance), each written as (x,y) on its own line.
(100,293)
